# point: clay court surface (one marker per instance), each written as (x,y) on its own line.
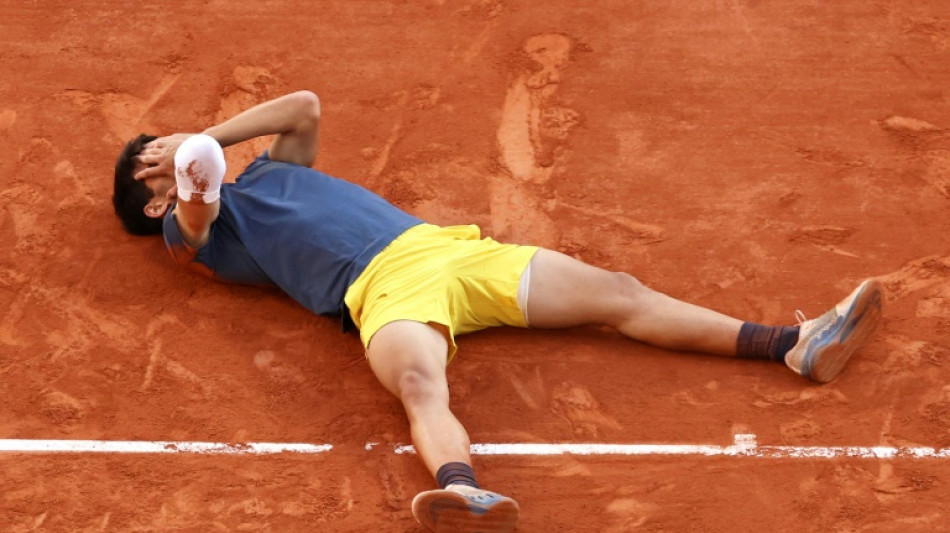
(755,157)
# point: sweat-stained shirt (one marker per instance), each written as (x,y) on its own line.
(282,224)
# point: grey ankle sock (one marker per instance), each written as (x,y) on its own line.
(756,341)
(456,474)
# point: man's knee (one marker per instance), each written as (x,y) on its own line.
(628,293)
(419,389)
(624,286)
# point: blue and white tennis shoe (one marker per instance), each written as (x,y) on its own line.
(463,509)
(826,343)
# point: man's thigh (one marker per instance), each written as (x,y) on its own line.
(565,292)
(405,349)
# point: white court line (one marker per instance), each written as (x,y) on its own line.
(138,446)
(745,445)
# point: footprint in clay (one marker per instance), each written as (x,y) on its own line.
(577,405)
(274,368)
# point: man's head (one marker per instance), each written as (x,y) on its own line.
(140,205)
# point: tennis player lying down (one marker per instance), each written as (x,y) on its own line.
(411,287)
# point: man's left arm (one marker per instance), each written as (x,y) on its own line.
(294,118)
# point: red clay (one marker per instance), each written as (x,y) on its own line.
(754,157)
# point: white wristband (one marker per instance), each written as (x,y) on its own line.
(199,169)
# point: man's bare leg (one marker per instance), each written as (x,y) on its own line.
(565,292)
(409,359)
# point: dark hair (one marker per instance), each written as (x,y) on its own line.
(129,197)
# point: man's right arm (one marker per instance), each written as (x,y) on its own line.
(293,118)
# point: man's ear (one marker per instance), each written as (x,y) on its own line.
(156,209)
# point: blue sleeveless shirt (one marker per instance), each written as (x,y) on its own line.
(306,232)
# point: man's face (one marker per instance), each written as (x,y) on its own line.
(165,192)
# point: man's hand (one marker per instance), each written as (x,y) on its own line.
(159,156)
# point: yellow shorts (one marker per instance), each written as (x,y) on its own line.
(448,276)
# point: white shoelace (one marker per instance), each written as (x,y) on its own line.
(800,317)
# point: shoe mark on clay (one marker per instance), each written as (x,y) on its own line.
(847,484)
(248,86)
(395,491)
(14,315)
(925,521)
(828,157)
(531,135)
(936,307)
(641,232)
(739,10)
(395,133)
(799,430)
(24,205)
(70,324)
(530,390)
(931,272)
(12,281)
(275,368)
(850,480)
(61,409)
(689,398)
(807,396)
(907,126)
(256,511)
(125,115)
(425,96)
(339,506)
(567,466)
(577,405)
(286,333)
(490,9)
(531,130)
(518,215)
(38,151)
(28,204)
(640,144)
(909,364)
(887,393)
(937,173)
(906,357)
(104,523)
(933,28)
(826,238)
(39,521)
(414,188)
(249,511)
(317,503)
(930,141)
(889,484)
(181,509)
(933,417)
(63,171)
(7,120)
(628,514)
(157,358)
(421,97)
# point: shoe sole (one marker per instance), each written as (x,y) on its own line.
(825,361)
(446,511)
